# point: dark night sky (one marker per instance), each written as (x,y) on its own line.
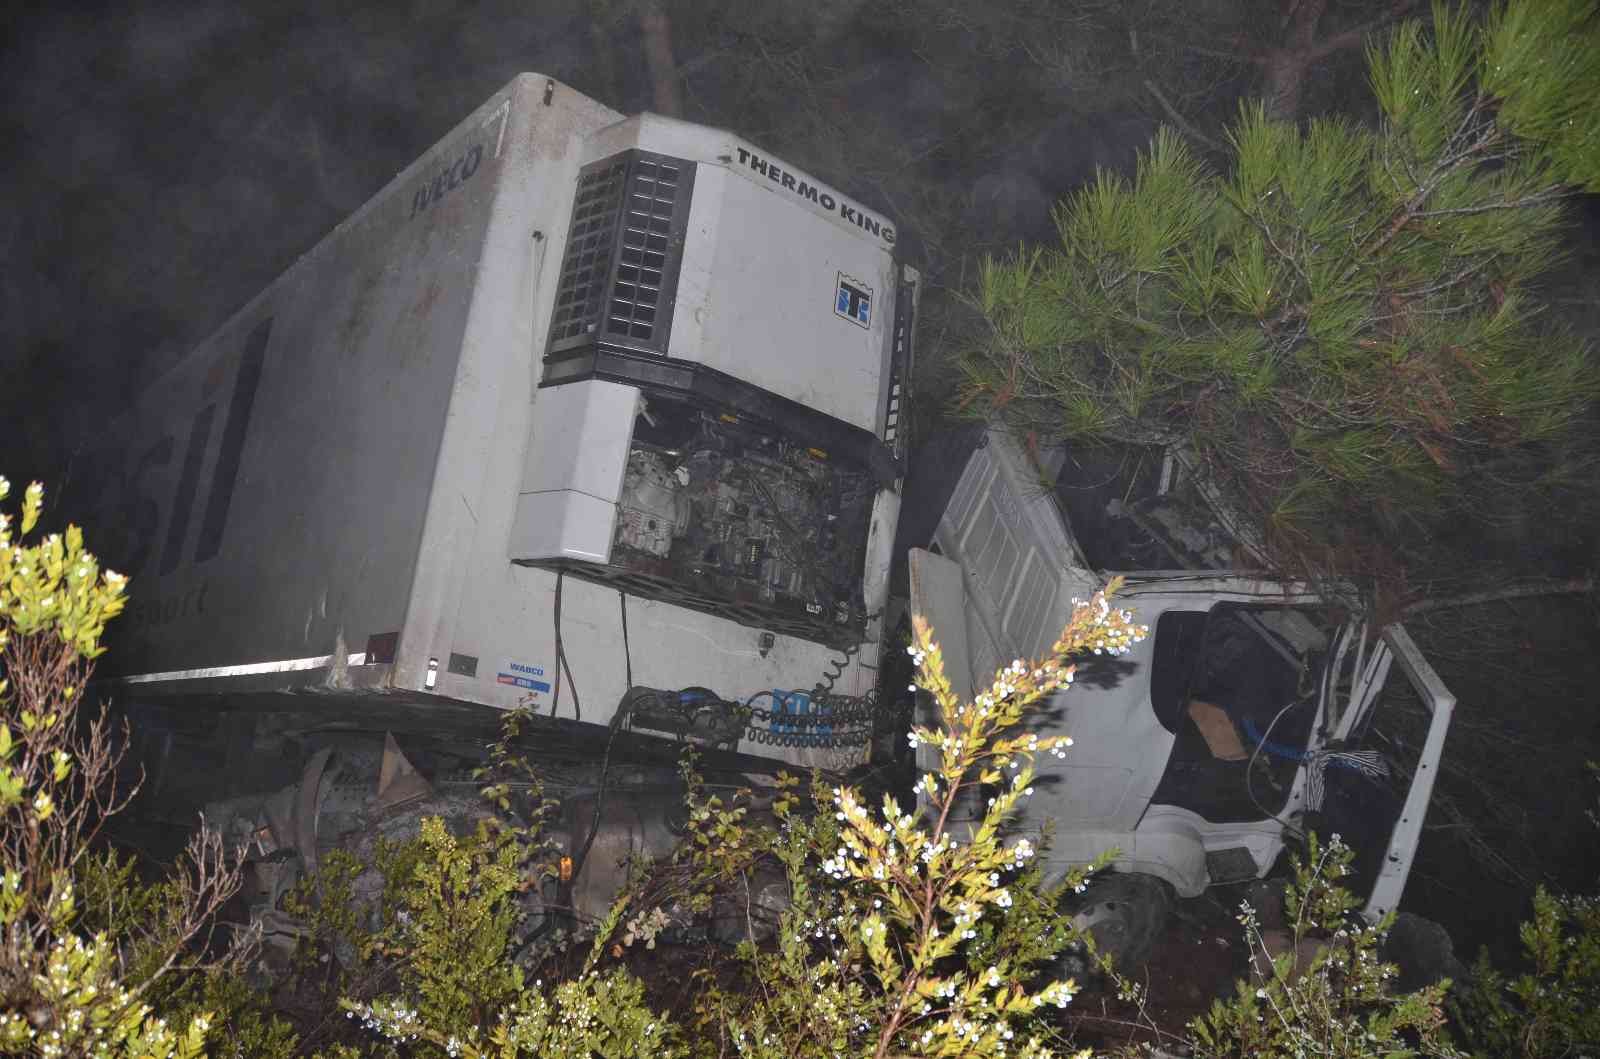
(163,162)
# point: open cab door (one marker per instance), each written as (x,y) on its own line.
(1395,644)
(1353,682)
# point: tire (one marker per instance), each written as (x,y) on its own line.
(1125,913)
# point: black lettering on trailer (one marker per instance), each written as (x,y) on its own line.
(140,514)
(225,477)
(188,481)
(789,182)
(454,175)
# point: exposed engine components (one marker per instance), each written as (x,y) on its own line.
(655,504)
(731,517)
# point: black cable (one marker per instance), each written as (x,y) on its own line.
(627,654)
(623,708)
(624,711)
(1250,769)
(561,661)
(555,695)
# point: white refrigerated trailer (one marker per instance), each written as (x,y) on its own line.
(577,402)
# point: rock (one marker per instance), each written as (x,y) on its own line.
(1423,951)
(751,908)
(1279,942)
(1266,897)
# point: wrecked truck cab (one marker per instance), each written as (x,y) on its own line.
(1214,741)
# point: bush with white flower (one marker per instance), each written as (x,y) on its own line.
(62,991)
(924,936)
(1329,994)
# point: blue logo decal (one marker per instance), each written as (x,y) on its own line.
(853,301)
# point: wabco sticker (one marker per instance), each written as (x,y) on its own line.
(522,675)
(853,301)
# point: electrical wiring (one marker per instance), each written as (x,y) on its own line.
(624,713)
(561,660)
(627,652)
(1250,770)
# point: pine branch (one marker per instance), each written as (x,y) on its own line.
(1357,35)
(1574,586)
(1178,119)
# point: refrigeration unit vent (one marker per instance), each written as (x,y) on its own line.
(620,269)
(591,240)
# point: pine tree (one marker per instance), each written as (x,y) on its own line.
(1343,326)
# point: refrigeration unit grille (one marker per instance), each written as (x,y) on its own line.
(636,296)
(585,268)
(620,269)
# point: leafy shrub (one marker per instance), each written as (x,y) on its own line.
(457,987)
(1340,1003)
(910,939)
(1552,1008)
(902,936)
(61,992)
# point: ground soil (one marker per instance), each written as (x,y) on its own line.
(1199,960)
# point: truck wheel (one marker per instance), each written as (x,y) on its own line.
(1125,913)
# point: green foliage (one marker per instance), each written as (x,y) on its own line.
(324,904)
(901,937)
(1342,324)
(457,925)
(240,1011)
(1553,1007)
(1337,1002)
(910,939)
(53,587)
(78,1007)
(447,930)
(593,1015)
(64,991)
